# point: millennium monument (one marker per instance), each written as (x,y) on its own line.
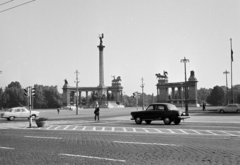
(177,97)
(107,96)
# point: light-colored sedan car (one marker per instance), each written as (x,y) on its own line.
(18,112)
(230,108)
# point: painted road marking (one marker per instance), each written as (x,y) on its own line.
(183,131)
(7,148)
(141,130)
(57,127)
(66,127)
(49,127)
(93,157)
(211,132)
(171,131)
(161,144)
(39,137)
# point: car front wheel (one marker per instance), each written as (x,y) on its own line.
(167,121)
(138,120)
(11,118)
(238,111)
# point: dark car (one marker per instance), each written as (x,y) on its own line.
(159,111)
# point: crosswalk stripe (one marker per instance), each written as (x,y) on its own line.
(75,128)
(196,132)
(183,131)
(56,127)
(211,132)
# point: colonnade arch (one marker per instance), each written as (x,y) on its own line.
(177,94)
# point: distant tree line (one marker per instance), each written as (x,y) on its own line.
(49,97)
(219,95)
(46,96)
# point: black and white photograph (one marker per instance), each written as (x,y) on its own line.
(119,82)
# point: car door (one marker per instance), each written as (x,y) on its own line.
(24,113)
(229,108)
(159,110)
(17,112)
(149,113)
(234,108)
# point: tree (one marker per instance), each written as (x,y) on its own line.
(202,93)
(13,96)
(1,98)
(216,96)
(39,99)
(52,97)
(236,90)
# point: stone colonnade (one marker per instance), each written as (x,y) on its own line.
(177,95)
(112,94)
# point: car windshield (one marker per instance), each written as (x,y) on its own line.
(10,110)
(172,107)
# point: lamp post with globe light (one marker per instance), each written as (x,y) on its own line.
(186,95)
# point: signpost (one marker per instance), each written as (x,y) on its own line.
(29,92)
(136,95)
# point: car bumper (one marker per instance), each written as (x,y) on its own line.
(183,117)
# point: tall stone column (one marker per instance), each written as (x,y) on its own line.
(179,92)
(86,97)
(173,93)
(101,66)
(102,89)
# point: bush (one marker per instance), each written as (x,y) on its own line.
(42,119)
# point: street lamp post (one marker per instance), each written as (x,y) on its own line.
(77,91)
(142,86)
(181,95)
(226,72)
(186,95)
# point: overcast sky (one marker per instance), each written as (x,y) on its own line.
(46,41)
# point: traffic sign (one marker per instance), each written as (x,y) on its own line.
(26,93)
(33,92)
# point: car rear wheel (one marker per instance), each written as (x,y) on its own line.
(138,120)
(148,121)
(222,111)
(238,111)
(11,118)
(167,121)
(177,121)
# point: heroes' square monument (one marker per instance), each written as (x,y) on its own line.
(107,96)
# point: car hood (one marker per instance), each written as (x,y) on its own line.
(137,112)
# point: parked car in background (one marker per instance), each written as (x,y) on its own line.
(159,111)
(230,108)
(18,112)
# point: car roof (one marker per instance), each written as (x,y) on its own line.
(17,107)
(161,104)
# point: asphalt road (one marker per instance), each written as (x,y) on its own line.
(205,138)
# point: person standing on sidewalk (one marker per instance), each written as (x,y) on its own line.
(58,110)
(204,106)
(96,112)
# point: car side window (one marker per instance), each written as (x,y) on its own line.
(150,108)
(159,108)
(18,110)
(24,110)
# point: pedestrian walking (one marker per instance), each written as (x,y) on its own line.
(96,112)
(58,110)
(203,106)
